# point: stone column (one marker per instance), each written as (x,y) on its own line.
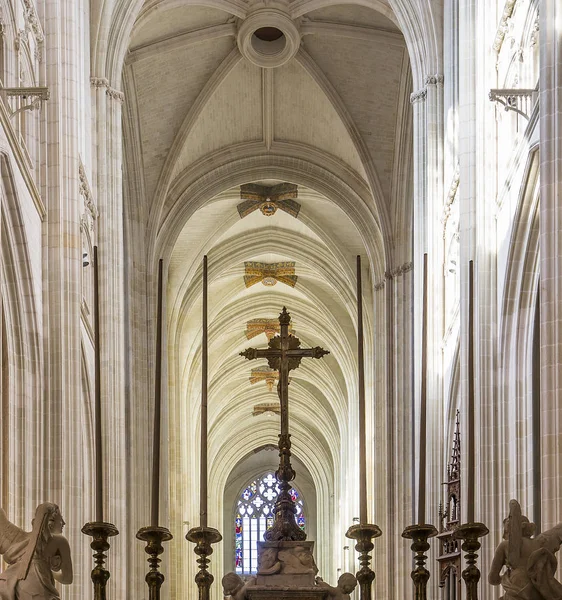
(120,490)
(63,478)
(550,85)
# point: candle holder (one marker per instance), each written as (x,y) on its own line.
(469,533)
(154,536)
(100,532)
(364,534)
(419,534)
(203,538)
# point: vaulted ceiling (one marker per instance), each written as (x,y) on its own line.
(200,120)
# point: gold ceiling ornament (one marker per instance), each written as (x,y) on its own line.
(269,274)
(268,199)
(267,407)
(270,376)
(268,326)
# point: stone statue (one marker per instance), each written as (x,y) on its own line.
(346,585)
(36,558)
(235,587)
(530,563)
(268,563)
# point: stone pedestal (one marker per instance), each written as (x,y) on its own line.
(261,592)
(286,565)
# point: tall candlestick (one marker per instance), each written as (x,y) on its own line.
(423,401)
(155,507)
(97,395)
(470,407)
(362,434)
(204,368)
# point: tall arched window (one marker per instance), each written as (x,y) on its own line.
(254,515)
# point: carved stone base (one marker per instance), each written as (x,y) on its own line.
(282,593)
(286,564)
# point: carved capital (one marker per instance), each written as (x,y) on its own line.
(418,96)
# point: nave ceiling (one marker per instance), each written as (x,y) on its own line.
(200,120)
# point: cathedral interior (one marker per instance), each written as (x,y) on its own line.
(281,140)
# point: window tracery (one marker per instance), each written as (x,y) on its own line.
(253,516)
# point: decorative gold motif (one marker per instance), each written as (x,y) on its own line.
(270,376)
(268,326)
(266,407)
(270,274)
(268,199)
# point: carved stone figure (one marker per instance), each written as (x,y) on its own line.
(36,558)
(268,564)
(235,587)
(346,584)
(297,559)
(530,563)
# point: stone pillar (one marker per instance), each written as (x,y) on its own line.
(550,85)
(120,489)
(63,477)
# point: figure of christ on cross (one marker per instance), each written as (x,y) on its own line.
(284,354)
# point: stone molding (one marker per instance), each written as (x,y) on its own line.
(102,82)
(32,19)
(451,197)
(393,274)
(86,192)
(503,25)
(421,95)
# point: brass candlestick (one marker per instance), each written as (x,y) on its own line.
(203,538)
(419,534)
(100,531)
(154,536)
(364,534)
(469,533)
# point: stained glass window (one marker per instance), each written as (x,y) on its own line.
(254,515)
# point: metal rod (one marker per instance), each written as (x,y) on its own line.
(362,432)
(97,396)
(155,505)
(423,401)
(470,408)
(204,375)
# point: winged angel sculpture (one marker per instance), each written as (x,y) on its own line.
(530,562)
(36,558)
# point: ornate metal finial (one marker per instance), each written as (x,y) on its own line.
(455,464)
(469,533)
(364,534)
(284,317)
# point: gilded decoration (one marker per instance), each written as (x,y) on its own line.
(269,274)
(268,199)
(270,376)
(268,326)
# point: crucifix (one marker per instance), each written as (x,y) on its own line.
(284,354)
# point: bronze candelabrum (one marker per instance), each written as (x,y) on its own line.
(154,537)
(419,534)
(203,538)
(363,534)
(469,533)
(100,532)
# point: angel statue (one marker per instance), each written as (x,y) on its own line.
(36,558)
(530,562)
